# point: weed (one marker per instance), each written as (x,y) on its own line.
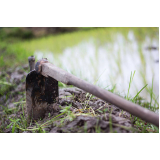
(110,123)
(97,128)
(133,100)
(60,84)
(69,115)
(5,86)
(130,82)
(113,89)
(19,51)
(14,124)
(7,110)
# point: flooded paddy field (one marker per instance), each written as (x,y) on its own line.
(110,64)
(124,61)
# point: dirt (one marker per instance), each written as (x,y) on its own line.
(76,111)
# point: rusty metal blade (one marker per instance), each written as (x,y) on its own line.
(40,92)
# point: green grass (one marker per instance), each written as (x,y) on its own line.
(20,124)
(130,82)
(14,52)
(5,86)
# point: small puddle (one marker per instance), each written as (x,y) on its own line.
(111,64)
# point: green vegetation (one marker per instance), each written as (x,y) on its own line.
(15,51)
(18,123)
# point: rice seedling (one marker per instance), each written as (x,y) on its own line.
(71,48)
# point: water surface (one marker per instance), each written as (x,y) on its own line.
(111,63)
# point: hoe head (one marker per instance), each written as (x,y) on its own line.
(41,91)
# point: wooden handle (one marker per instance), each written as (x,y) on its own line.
(49,69)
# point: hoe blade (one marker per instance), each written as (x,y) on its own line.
(40,93)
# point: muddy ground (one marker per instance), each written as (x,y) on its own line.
(76,111)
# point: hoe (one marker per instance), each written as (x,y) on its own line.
(42,90)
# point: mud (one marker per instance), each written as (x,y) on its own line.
(82,112)
(92,114)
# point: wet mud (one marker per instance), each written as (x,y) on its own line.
(76,111)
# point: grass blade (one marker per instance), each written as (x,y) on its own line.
(139,93)
(13,128)
(5,83)
(130,82)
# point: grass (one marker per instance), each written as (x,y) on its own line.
(5,86)
(18,51)
(140,124)
(19,124)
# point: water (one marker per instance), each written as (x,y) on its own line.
(111,63)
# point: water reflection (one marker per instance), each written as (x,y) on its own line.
(112,63)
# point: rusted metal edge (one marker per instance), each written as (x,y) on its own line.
(31,61)
(41,91)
